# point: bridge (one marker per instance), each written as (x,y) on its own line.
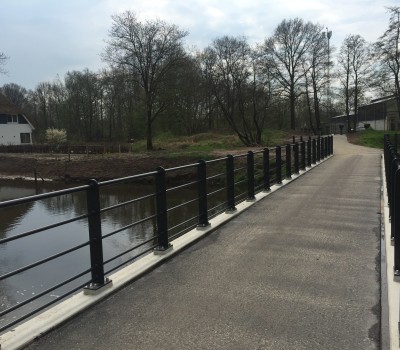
(299,269)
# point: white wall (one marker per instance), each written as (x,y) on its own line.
(10,133)
(375,124)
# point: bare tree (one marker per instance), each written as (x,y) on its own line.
(188,93)
(354,69)
(238,86)
(387,53)
(150,50)
(286,51)
(315,76)
(84,94)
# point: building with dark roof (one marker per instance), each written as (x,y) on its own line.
(15,128)
(380,114)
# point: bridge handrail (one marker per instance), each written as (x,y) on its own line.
(392,172)
(239,176)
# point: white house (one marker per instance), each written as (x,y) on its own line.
(15,128)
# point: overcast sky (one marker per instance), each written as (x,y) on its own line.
(46,38)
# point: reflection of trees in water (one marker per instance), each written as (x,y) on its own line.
(73,204)
(11,216)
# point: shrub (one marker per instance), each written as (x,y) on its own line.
(56,136)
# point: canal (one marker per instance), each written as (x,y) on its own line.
(21,218)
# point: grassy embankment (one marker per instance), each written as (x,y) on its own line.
(204,145)
(369,138)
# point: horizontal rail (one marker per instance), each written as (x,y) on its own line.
(42,196)
(254,171)
(127,178)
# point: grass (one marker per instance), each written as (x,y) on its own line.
(369,138)
(203,145)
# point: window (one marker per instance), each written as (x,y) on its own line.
(12,119)
(25,137)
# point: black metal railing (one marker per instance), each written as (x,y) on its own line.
(392,174)
(219,184)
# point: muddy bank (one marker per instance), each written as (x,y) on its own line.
(81,168)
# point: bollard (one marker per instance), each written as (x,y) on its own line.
(314,151)
(303,155)
(202,193)
(95,237)
(250,176)
(278,164)
(288,162)
(309,146)
(326,147)
(396,220)
(296,157)
(391,189)
(322,147)
(161,207)
(266,170)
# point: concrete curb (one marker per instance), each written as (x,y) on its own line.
(25,333)
(390,289)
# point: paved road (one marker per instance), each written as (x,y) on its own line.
(298,270)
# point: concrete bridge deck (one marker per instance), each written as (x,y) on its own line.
(298,270)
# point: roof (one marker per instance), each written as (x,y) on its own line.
(384,99)
(351,114)
(6,107)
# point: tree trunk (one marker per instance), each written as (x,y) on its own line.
(316,109)
(310,112)
(292,109)
(149,131)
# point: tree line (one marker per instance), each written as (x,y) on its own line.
(152,84)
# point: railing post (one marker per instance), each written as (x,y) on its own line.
(95,237)
(288,161)
(296,157)
(202,193)
(396,220)
(230,184)
(318,149)
(326,147)
(266,170)
(250,176)
(161,207)
(278,164)
(309,153)
(331,144)
(322,147)
(391,189)
(303,155)
(314,151)
(294,139)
